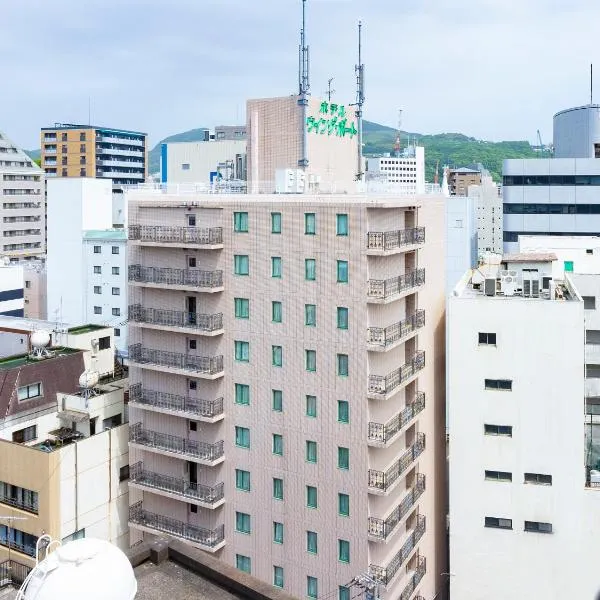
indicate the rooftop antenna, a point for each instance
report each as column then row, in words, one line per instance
column 329, row 91
column 89, row 110
column 359, row 69
column 303, row 84
column 397, row 145
column 591, row 83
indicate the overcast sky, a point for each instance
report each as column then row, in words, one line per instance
column 493, row 69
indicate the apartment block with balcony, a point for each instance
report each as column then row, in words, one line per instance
column 71, row 150
column 22, row 226
column 286, row 359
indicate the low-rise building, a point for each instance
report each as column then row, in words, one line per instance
column 405, row 171
column 459, row 180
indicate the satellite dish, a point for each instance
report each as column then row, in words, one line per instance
column 40, row 338
column 88, row 379
column 87, row 568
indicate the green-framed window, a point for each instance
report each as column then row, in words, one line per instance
column 311, row 406
column 277, row 576
column 311, row 451
column 277, row 356
column 343, row 458
column 275, row 222
column 310, row 269
column 343, row 593
column 312, row 587
column 342, row 271
column 344, row 551
column 241, row 264
column 277, row 400
column 343, row 411
column 342, row 317
column 277, row 444
column 243, row 563
column 312, row 500
column 242, row 437
column 242, row 480
column 240, row 222
column 242, row 308
column 277, row 532
column 310, row 360
column 310, row 223
column 242, row 393
column 312, row 542
column 276, row 311
column 343, row 505
column 242, row 351
column 242, row 522
column 276, row 267
column 342, row 365
column 341, row 224
column 310, row 315
column 277, row 488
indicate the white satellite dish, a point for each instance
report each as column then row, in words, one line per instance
column 39, row 339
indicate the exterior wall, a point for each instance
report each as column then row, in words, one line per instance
column 461, row 239
column 490, row 217
column 577, row 132
column 406, row 170
column 22, row 221
column 459, row 181
column 201, row 159
column 295, row 382
column 11, row 291
column 82, row 338
column 275, row 131
column 35, row 290
column 541, row 410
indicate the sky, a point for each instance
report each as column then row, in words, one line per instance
column 492, row 69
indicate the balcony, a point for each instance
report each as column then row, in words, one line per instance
column 381, row 482
column 108, row 139
column 208, row 539
column 385, row 338
column 102, row 150
column 203, row 495
column 381, row 434
column 592, row 354
column 28, row 501
column 201, row 452
column 49, row 151
column 383, row 386
column 209, row 238
column 380, row 529
column 12, row 573
column 415, row 579
column 121, row 174
column 391, row 242
column 382, row 291
column 204, row 367
column 386, row 574
column 592, row 387
column 193, row 280
column 176, row 320
column 209, row 411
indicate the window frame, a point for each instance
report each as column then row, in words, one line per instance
column 242, row 394
column 346, row 404
column 343, row 459
column 498, row 523
column 276, row 223
column 485, row 339
column 500, row 476
column 342, row 271
column 310, row 223
column 241, row 478
column 535, row 479
column 312, row 587
column 278, row 580
column 343, row 497
column 278, row 483
column 312, row 542
column 342, row 365
column 488, row 429
column 276, row 267
column 311, row 452
column 276, row 356
column 310, row 268
column 342, row 314
column 278, row 528
column 538, row 527
column 243, row 563
column 342, row 218
column 241, row 308
column 242, row 437
column 276, row 311
column 240, row 222
column 241, row 351
column 276, row 405
column 312, row 496
column 241, row 265
column 494, row 385
column 277, row 444
column 310, row 406
column 40, row 391
column 343, row 551
column 310, row 361
column 310, row 310
column 243, row 523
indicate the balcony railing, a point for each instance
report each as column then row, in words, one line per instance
column 209, row 236
column 419, row 573
column 195, row 406
column 383, row 289
column 379, row 432
column 170, row 276
column 380, row 528
column 28, row 549
column 383, row 480
column 384, row 384
column 30, row 505
column 390, row 240
column 176, row 485
column 172, row 443
column 175, row 318
column 210, row 365
column 385, row 336
column 13, row 573
column 192, row 533
column 386, row 574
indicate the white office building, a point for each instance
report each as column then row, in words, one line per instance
column 557, row 196
column 523, row 473
column 461, row 238
column 86, row 265
column 407, row 170
column 490, row 217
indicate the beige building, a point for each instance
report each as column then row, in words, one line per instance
column 287, row 385
column 459, row 180
column 275, row 142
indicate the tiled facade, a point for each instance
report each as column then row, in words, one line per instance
column 287, row 415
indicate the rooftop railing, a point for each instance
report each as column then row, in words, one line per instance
column 170, row 276
column 386, row 574
column 382, row 528
column 210, row 365
column 173, row 443
column 391, row 240
column 384, row 384
column 382, row 289
column 176, row 485
column 175, row 318
column 173, row 234
column 383, row 480
column 419, row 573
column 192, row 533
column 13, row 573
column 379, row 432
column 386, row 336
column 174, row 402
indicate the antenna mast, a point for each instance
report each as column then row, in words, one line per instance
column 360, row 100
column 330, row 91
column 398, row 144
column 591, row 83
column 303, row 84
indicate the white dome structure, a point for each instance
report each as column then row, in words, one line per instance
column 88, row 379
column 40, row 338
column 87, row 568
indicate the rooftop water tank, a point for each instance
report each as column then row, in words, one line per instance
column 87, row 568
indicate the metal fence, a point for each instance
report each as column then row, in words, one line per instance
column 379, row 432
column 390, row 240
column 174, row 402
column 13, row 573
column 419, row 573
column 382, row 289
column 168, row 234
column 30, row 505
column 384, row 384
column 193, row 533
column 385, row 336
column 383, row 480
column 176, row 444
column 175, row 318
column 210, row 365
column 169, row 276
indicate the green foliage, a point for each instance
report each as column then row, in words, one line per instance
column 193, row 135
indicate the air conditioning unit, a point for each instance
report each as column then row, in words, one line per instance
column 531, row 288
column 489, row 288
column 508, row 284
column 527, row 287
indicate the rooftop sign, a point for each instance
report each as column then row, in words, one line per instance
column 332, row 120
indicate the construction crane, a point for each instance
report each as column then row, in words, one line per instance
column 541, row 144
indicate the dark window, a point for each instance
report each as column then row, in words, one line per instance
column 104, row 343
column 115, row 249
column 498, row 384
column 82, row 137
column 538, row 478
column 193, row 344
column 498, row 430
column 488, row 339
column 25, row 435
column 498, row 523
column 124, row 473
column 193, row 426
column 82, row 173
column 589, row 251
column 117, row 332
column 192, row 262
column 193, row 384
column 498, row 475
column 193, row 508
column 538, row 527
column 116, row 312
column 97, row 249
column 589, row 302
column 191, row 220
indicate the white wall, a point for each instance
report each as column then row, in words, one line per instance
column 539, row 348
column 11, row 290
column 461, row 238
column 490, row 218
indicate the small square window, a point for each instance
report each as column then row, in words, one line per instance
column 277, row 356
column 97, row 249
column 276, row 312
column 185, row 166
column 193, row 508
column 341, row 224
column 115, row 249
column 242, row 522
column 343, row 410
column 97, row 289
column 124, row 473
column 275, row 222
column 97, row 269
column 97, row 310
column 589, row 302
column 342, row 365
column 310, row 315
column 310, row 223
column 240, row 222
column 310, row 359
column 311, row 406
column 116, row 291
column 193, row 425
column 243, row 563
column 342, row 271
column 115, row 270
column 277, row 400
column 191, row 260
column 116, row 312
column 487, row 339
column 242, row 351
column 342, row 317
